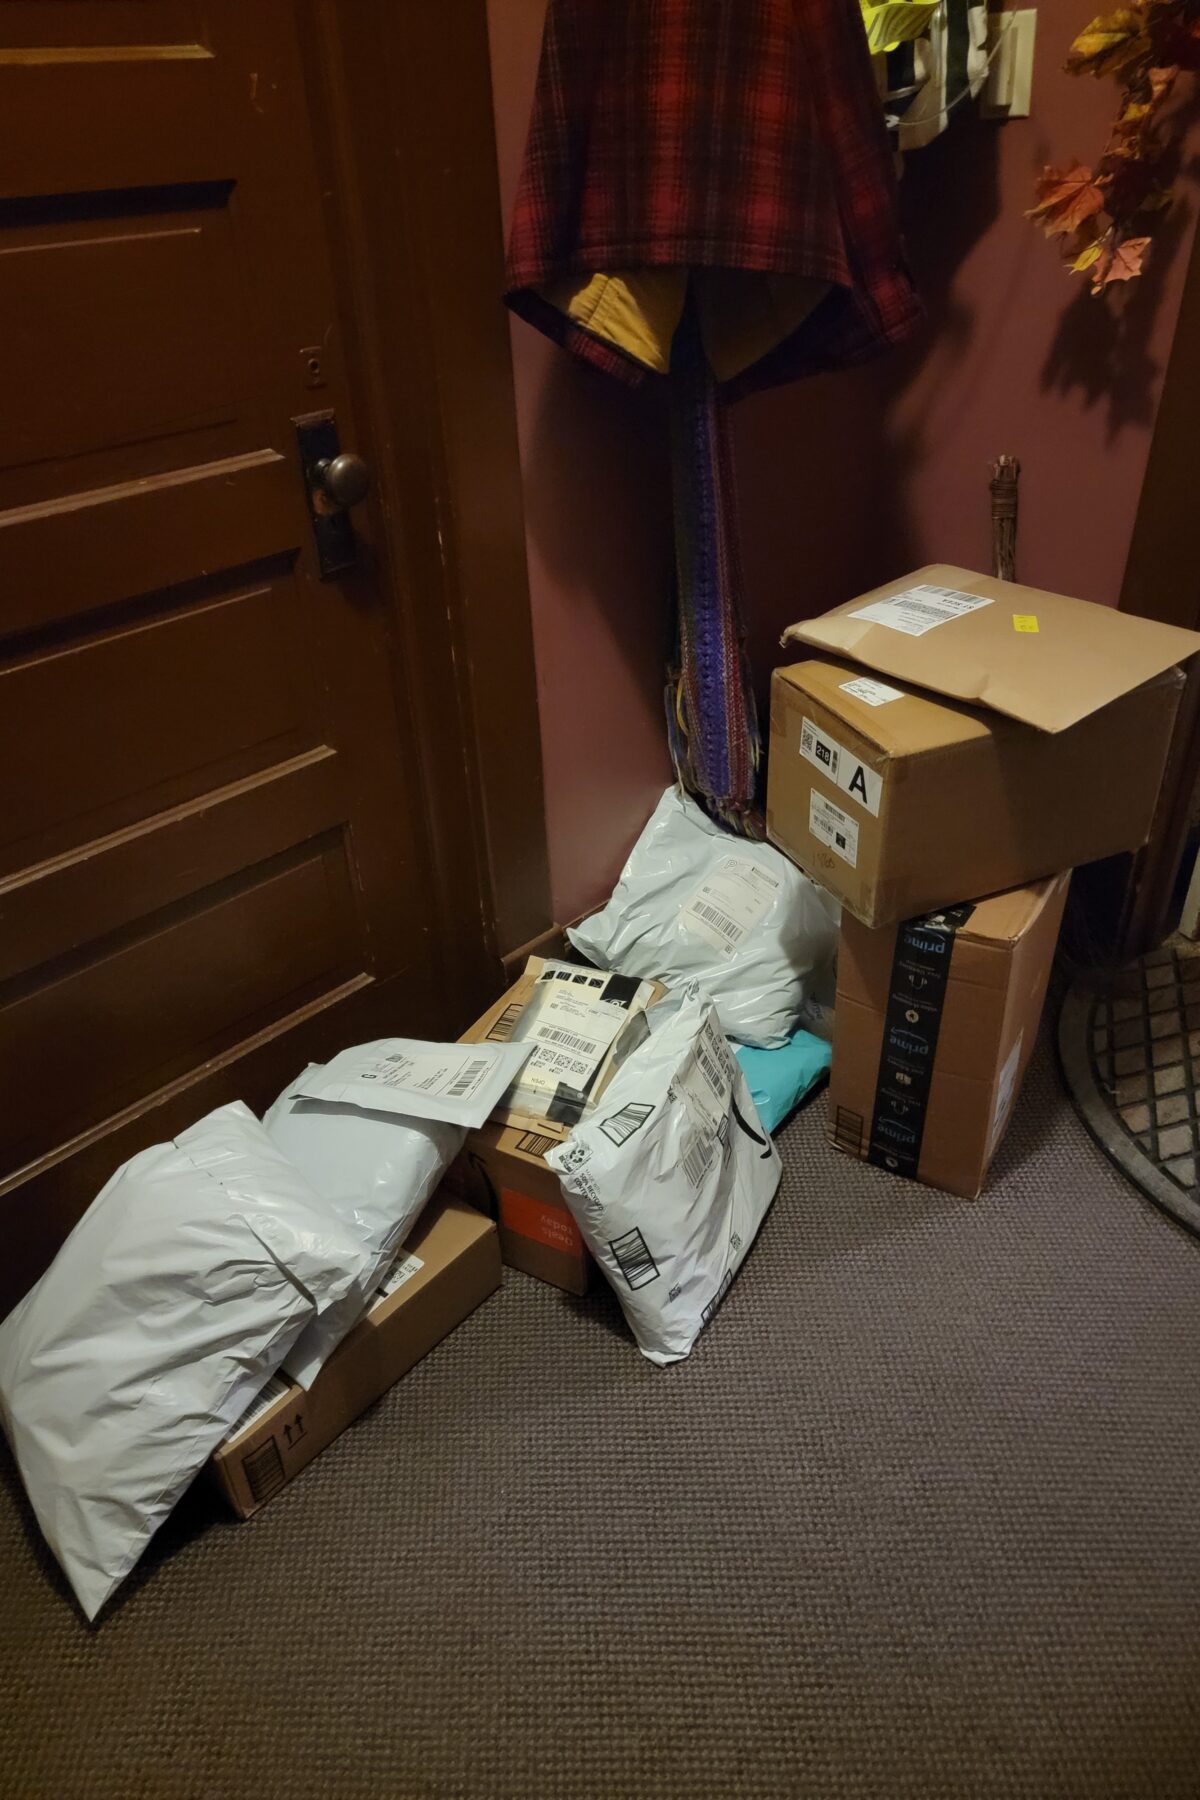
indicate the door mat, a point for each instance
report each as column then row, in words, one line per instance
column 1130, row 1053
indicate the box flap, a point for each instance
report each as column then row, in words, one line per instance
column 907, row 725
column 1042, row 658
column 1005, row 918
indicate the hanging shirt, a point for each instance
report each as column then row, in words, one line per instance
column 733, row 146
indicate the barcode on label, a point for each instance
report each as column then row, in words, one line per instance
column 467, row 1079
column 723, row 923
column 585, row 1046
column 697, row 1160
column 266, row 1397
column 503, row 1028
column 535, row 1143
column 717, row 1298
column 623, row 1124
column 634, row 1259
column 403, row 1269
column 712, row 1073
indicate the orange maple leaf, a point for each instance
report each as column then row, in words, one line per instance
column 1110, row 42
column 1121, row 264
column 1066, row 197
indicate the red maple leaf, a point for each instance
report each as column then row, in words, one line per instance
column 1066, row 197
column 1121, row 264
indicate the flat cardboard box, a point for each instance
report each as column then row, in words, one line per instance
column 1043, row 659
column 898, row 801
column 933, row 1028
column 457, row 1256
column 503, row 1168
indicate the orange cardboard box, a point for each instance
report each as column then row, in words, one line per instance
column 503, row 1167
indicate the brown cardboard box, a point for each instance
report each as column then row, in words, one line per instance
column 901, row 806
column 1041, row 658
column 1047, row 750
column 459, row 1266
column 503, row 1167
column 933, row 1028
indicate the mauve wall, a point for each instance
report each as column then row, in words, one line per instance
column 845, row 481
column 598, row 524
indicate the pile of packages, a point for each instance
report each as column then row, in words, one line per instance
column 235, row 1298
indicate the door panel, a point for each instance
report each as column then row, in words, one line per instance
column 212, row 862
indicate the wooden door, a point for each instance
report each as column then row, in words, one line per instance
column 211, row 857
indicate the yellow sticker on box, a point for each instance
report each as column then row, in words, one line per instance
column 1025, row 622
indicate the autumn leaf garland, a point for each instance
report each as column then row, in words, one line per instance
column 1105, row 215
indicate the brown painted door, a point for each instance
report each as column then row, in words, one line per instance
column 211, row 864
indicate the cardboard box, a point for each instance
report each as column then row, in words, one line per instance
column 503, row 1170
column 450, row 1264
column 503, row 1167
column 1047, row 751
column 935, row 1022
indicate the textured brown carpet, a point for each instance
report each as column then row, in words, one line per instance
column 918, row 1518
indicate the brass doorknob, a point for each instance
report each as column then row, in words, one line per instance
column 345, row 479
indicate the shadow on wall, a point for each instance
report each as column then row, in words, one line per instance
column 1101, row 349
column 854, row 478
column 600, row 546
column 826, row 467
column 598, row 507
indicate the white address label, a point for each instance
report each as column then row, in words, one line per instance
column 920, row 609
column 729, row 903
column 832, row 826
column 871, row 693
column 402, row 1270
column 841, row 765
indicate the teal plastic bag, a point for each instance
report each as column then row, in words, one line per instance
column 779, row 1079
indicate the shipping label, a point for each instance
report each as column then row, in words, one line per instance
column 729, row 903
column 920, row 609
column 831, row 826
column 872, row 693
column 402, row 1270
column 851, row 774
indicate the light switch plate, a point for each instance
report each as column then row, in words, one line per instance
column 1009, row 84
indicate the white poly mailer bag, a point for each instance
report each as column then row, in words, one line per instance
column 695, row 903
column 172, row 1301
column 375, row 1171
column 671, row 1178
column 458, row 1083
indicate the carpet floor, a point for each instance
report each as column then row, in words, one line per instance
column 918, row 1518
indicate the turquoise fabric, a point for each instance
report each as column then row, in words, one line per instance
column 779, row 1079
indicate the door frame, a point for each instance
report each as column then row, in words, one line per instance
column 401, row 98
column 1159, row 583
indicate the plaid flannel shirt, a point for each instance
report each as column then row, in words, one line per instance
column 713, row 134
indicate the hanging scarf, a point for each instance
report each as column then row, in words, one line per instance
column 712, row 724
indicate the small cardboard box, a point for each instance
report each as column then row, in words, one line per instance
column 450, row 1264
column 935, row 1022
column 1046, row 751
column 504, row 1171
column 503, row 1167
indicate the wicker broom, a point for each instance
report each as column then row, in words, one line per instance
column 1005, row 473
